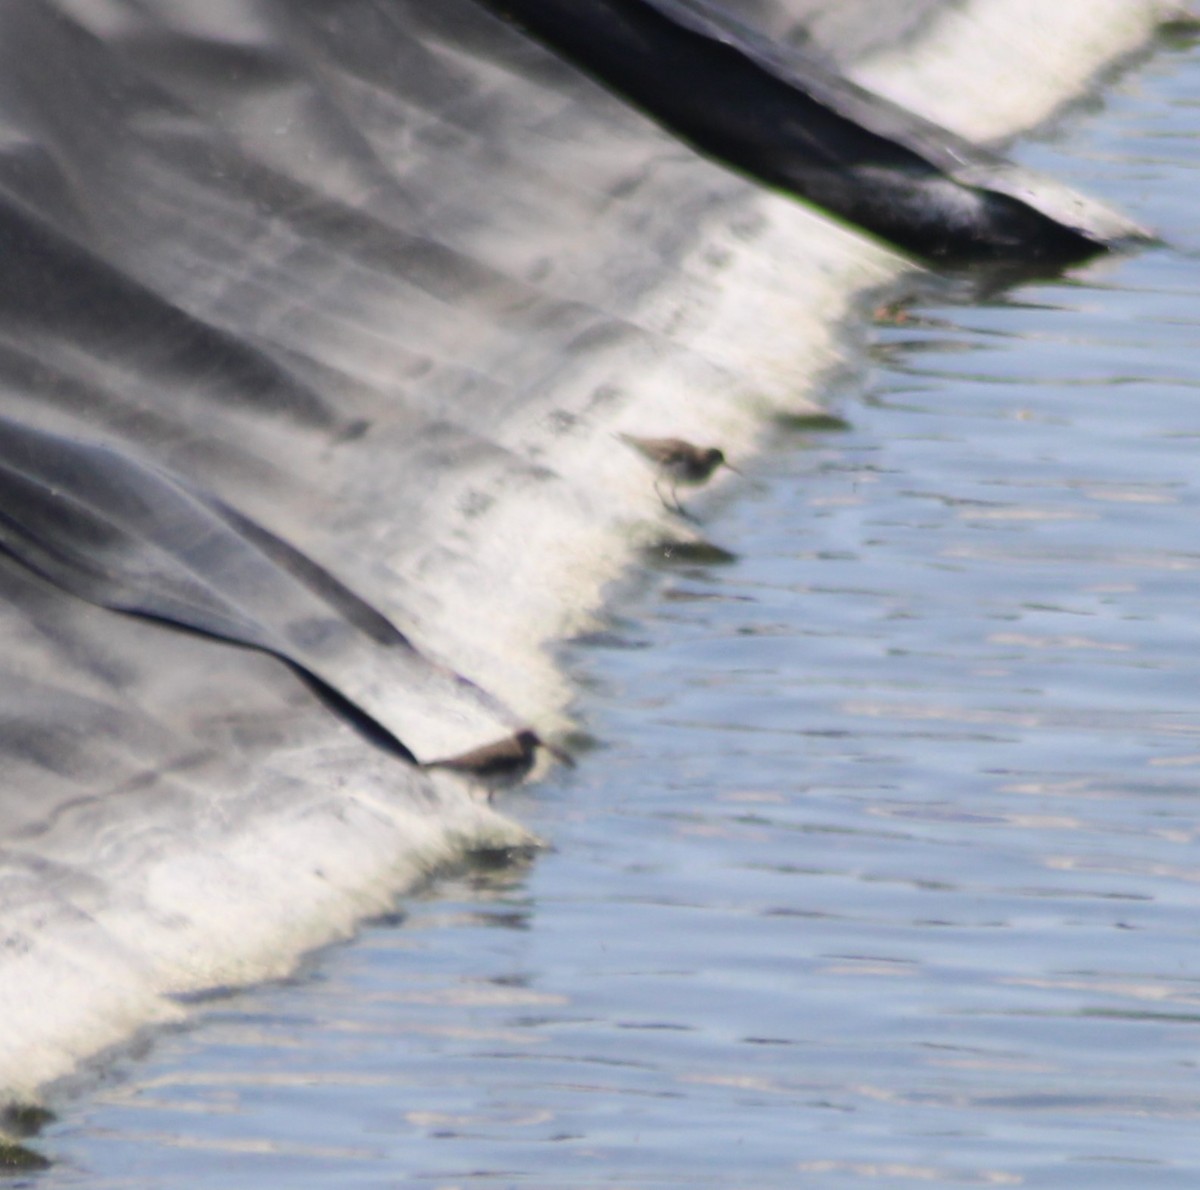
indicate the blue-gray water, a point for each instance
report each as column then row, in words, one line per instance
column 885, row 871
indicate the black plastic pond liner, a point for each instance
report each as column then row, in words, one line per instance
column 789, row 121
column 317, row 326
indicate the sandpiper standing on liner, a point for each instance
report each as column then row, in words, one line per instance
column 680, row 463
column 503, row 763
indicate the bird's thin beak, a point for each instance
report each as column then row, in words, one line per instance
column 563, row 758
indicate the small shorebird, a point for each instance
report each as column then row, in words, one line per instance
column 503, row 763
column 679, row 463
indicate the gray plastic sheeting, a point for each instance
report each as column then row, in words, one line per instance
column 319, row 324
column 790, row 119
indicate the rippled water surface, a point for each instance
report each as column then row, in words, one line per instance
column 886, row 868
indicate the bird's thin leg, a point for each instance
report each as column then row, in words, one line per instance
column 673, row 504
